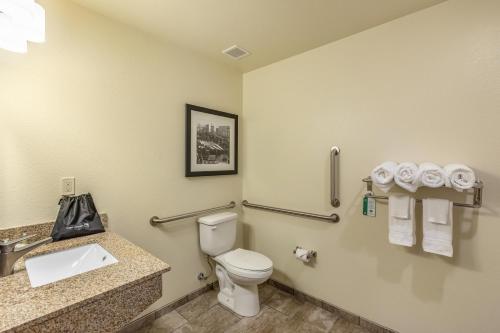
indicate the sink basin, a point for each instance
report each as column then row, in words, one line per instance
column 48, row 268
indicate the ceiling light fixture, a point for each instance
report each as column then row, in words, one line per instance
column 21, row 21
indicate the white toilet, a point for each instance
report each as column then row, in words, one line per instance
column 239, row 271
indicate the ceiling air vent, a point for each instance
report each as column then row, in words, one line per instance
column 236, row 52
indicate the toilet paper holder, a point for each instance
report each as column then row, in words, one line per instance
column 310, row 253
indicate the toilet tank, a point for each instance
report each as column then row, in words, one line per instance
column 217, row 233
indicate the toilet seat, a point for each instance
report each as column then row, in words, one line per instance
column 245, row 263
column 248, row 260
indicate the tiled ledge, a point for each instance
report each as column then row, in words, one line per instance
column 358, row 320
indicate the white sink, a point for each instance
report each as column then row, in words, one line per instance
column 60, row 265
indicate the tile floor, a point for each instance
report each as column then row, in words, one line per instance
column 280, row 313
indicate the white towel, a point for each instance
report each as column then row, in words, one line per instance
column 406, row 176
column 383, row 175
column 461, row 176
column 438, row 226
column 402, row 220
column 432, row 175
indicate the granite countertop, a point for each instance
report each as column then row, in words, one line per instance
column 22, row 306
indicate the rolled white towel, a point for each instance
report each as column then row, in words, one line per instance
column 406, row 176
column 432, row 175
column 383, row 175
column 461, row 176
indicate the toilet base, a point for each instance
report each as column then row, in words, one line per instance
column 242, row 299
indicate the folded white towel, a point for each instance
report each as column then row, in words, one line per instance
column 399, row 206
column 383, row 175
column 461, row 176
column 436, row 210
column 402, row 220
column 432, row 175
column 406, row 176
column 438, row 226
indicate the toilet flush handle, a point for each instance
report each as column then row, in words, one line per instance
column 213, row 228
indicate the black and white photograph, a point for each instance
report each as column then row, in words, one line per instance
column 211, row 142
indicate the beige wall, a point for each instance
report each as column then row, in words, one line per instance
column 105, row 103
column 424, row 87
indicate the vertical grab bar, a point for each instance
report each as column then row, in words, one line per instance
column 334, row 176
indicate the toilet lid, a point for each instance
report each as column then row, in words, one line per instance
column 249, row 260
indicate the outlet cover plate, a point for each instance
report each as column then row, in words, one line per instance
column 68, row 186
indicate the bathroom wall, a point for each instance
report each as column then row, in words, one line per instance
column 423, row 87
column 105, row 103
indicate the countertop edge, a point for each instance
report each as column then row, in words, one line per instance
column 84, row 302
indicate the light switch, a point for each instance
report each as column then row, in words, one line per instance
column 68, row 186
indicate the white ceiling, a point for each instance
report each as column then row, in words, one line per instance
column 270, row 29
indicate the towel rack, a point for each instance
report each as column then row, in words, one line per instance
column 477, row 200
column 155, row 220
column 334, row 218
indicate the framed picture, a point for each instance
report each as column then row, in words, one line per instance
column 211, row 142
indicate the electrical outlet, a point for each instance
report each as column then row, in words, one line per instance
column 68, row 186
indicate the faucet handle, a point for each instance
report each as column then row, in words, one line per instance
column 8, row 245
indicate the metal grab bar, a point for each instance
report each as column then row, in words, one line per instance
column 334, row 176
column 156, row 220
column 334, row 218
column 477, row 200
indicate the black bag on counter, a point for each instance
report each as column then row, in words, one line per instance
column 77, row 217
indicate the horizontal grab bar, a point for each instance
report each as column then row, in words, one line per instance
column 156, row 220
column 334, row 218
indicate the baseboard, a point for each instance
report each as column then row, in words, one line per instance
column 363, row 322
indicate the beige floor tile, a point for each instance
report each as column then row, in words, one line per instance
column 359, row 329
column 198, row 306
column 187, row 328
column 169, row 322
column 284, row 303
column 165, row 324
column 265, row 292
column 268, row 320
column 341, row 326
column 344, row 326
column 297, row 326
column 280, row 313
column 317, row 317
column 308, row 318
column 215, row 320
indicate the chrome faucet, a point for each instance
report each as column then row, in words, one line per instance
column 9, row 253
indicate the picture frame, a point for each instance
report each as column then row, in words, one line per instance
column 211, row 142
